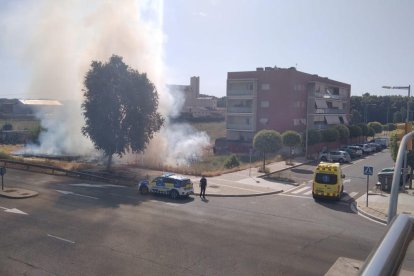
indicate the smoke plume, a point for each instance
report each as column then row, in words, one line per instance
column 57, row 40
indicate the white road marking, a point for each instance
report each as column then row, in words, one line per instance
column 308, row 192
column 59, row 238
column 13, row 210
column 347, row 181
column 301, row 190
column 353, row 194
column 307, row 197
column 72, row 193
column 96, row 185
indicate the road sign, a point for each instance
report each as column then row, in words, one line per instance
column 368, row 170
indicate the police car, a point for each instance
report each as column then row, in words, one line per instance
column 169, row 184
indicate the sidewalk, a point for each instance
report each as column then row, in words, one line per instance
column 248, row 182
column 378, row 205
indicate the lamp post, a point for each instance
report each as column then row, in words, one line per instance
column 406, row 121
column 408, row 100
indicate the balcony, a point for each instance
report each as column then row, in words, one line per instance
column 244, row 93
column 330, row 111
column 329, row 96
column 235, row 109
column 235, row 126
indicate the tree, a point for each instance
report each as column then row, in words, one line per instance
column 376, row 126
column 343, row 131
column 355, row 131
column 314, row 136
column 364, row 128
column 291, row 139
column 120, row 108
column 330, row 135
column 371, row 132
column 267, row 141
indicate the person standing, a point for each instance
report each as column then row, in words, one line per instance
column 203, row 186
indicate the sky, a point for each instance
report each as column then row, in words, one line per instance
column 367, row 43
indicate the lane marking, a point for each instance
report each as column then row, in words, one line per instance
column 96, row 185
column 13, row 210
column 353, row 194
column 59, row 238
column 72, row 193
column 308, row 192
column 301, row 190
column 298, row 196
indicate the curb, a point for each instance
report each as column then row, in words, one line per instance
column 377, row 219
column 17, row 193
column 243, row 195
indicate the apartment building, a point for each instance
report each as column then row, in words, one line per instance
column 283, row 99
column 196, row 105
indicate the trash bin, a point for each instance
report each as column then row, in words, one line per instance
column 385, row 178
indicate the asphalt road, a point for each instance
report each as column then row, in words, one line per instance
column 82, row 228
column 355, row 182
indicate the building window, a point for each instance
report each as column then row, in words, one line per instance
column 264, row 104
column 264, row 121
column 265, row 86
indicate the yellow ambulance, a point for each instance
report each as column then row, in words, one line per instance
column 327, row 181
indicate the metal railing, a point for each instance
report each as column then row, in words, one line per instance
column 52, row 170
column 388, row 256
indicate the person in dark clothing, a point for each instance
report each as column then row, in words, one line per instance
column 203, row 186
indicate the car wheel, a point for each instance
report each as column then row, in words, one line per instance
column 144, row 190
column 341, row 160
column 174, row 194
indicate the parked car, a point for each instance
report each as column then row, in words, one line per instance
column 379, row 146
column 335, row 156
column 353, row 151
column 169, row 184
column 366, row 148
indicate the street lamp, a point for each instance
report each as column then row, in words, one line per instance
column 408, row 101
column 406, row 121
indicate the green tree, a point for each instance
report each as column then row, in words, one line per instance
column 343, row 131
column 120, row 108
column 371, row 132
column 291, row 139
column 391, row 127
column 397, row 117
column 267, row 141
column 355, row 131
column 364, row 128
column 330, row 135
column 376, row 126
column 314, row 137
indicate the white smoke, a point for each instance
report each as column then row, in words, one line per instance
column 59, row 39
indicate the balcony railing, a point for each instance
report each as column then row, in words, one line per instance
column 234, row 109
column 240, row 93
column 329, row 96
column 239, row 126
column 330, row 111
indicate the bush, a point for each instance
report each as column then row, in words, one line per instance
column 232, row 162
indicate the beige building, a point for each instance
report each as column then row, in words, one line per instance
column 196, row 105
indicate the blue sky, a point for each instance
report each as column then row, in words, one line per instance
column 364, row 43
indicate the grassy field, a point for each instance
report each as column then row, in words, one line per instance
column 213, row 129
column 209, row 164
